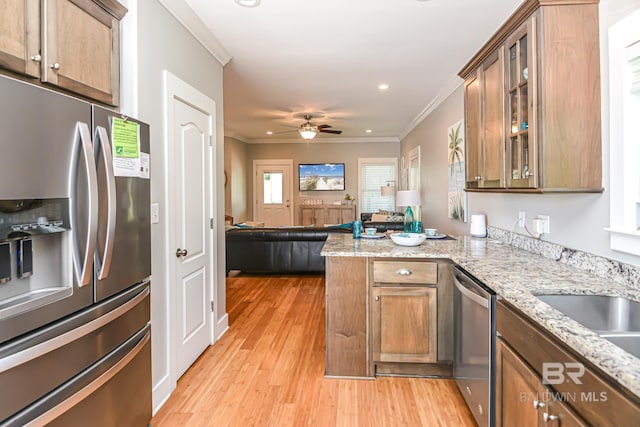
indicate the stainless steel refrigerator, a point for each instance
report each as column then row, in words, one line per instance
column 74, row 262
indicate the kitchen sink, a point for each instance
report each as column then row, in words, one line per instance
column 628, row 341
column 601, row 313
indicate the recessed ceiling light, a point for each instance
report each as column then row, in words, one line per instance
column 248, row 3
column 269, row 132
column 383, row 86
column 368, row 131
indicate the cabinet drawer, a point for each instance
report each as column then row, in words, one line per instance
column 412, row 272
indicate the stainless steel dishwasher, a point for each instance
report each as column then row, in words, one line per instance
column 474, row 345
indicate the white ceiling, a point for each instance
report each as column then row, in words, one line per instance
column 327, row 58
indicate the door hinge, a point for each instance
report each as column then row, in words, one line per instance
column 212, row 305
column 210, row 140
column 211, row 223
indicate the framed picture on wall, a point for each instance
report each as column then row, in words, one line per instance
column 457, row 197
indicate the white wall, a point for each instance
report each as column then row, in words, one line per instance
column 236, row 165
column 164, row 44
column 577, row 220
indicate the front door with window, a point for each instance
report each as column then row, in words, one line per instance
column 272, row 192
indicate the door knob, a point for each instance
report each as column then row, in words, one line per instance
column 181, row 253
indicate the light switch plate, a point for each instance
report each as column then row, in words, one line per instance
column 155, row 213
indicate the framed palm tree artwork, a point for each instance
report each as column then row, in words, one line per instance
column 457, row 198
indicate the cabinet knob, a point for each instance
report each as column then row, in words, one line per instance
column 378, row 298
column 478, row 177
column 537, row 404
column 528, row 174
column 55, row 66
column 549, row 418
column 36, row 58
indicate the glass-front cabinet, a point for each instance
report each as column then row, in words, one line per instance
column 521, row 76
column 532, row 102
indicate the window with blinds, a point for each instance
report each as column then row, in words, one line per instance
column 373, row 174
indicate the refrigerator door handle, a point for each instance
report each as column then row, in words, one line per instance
column 9, row 362
column 83, row 262
column 102, row 138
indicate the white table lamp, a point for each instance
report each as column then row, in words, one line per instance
column 408, row 198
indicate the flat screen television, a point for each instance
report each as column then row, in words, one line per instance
column 321, row 176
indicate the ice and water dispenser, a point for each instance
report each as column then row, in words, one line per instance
column 33, row 248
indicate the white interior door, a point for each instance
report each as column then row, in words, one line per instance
column 272, row 190
column 192, row 168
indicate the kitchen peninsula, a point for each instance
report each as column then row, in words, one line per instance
column 514, row 274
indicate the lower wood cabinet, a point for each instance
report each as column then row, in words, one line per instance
column 524, row 399
column 404, row 324
column 346, row 292
column 389, row 316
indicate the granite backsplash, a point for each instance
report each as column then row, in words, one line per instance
column 605, row 268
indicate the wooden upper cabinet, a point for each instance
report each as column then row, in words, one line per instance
column 82, row 49
column 20, row 36
column 72, row 44
column 472, row 119
column 484, row 105
column 492, row 137
column 521, row 78
column 548, row 94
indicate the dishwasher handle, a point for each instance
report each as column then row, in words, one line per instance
column 470, row 294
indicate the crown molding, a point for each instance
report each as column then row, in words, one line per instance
column 449, row 87
column 385, row 139
column 194, row 25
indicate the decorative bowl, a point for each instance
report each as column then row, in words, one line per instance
column 407, row 239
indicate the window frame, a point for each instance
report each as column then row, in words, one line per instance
column 373, row 161
column 624, row 136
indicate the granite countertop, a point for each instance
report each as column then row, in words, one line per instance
column 517, row 276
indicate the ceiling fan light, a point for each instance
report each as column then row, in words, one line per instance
column 307, row 133
column 248, row 3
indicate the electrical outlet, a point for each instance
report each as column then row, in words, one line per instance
column 521, row 219
column 546, row 220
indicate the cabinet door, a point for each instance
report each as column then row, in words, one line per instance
column 517, row 398
column 320, row 216
column 334, row 215
column 20, row 36
column 521, row 74
column 473, row 139
column 405, row 325
column 492, row 92
column 348, row 214
column 306, row 215
column 557, row 414
column 82, row 49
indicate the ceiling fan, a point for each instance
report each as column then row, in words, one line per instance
column 309, row 130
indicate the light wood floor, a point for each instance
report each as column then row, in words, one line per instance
column 267, row 370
